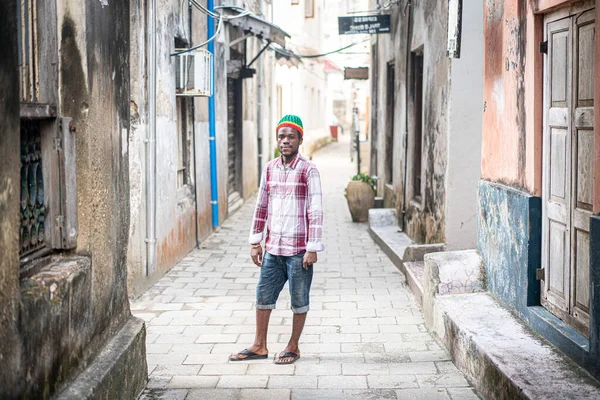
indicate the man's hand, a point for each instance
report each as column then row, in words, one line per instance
column 310, row 257
column 257, row 254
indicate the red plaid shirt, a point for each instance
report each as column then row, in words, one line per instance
column 290, row 204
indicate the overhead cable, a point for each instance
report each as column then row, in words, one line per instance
column 243, row 13
column 294, row 55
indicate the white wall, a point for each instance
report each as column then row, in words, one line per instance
column 464, row 136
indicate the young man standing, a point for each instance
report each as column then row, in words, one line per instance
column 290, row 204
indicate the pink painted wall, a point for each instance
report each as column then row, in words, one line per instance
column 512, row 118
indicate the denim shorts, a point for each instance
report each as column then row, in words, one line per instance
column 274, row 272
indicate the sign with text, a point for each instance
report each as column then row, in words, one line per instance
column 356, row 73
column 364, row 24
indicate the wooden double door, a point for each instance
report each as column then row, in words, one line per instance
column 568, row 164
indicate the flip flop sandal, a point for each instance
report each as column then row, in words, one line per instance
column 289, row 354
column 250, row 355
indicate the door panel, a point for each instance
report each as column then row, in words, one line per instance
column 558, row 165
column 559, row 63
column 568, row 166
column 557, row 177
column 558, row 278
column 583, row 144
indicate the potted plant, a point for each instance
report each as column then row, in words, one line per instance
column 360, row 194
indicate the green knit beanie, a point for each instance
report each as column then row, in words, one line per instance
column 291, row 121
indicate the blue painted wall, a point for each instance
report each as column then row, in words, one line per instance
column 509, row 239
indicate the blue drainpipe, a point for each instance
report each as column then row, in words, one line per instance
column 214, row 187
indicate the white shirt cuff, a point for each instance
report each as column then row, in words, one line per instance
column 255, row 238
column 315, row 247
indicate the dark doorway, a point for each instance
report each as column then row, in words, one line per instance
column 417, row 119
column 389, row 134
column 234, row 140
column 374, row 83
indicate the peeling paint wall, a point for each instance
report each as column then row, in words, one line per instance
column 180, row 211
column 11, row 379
column 175, row 206
column 444, row 210
column 512, row 129
column 392, row 49
column 62, row 313
column 426, row 219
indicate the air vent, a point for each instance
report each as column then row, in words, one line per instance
column 193, row 73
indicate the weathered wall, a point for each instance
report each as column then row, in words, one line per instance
column 179, row 209
column 11, row 378
column 175, row 206
column 509, row 236
column 509, row 194
column 464, row 132
column 58, row 317
column 392, row 49
column 426, row 219
column 512, row 123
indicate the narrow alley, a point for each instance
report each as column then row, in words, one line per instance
column 364, row 337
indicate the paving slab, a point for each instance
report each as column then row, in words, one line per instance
column 364, row 336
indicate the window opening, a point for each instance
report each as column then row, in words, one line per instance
column 33, row 211
column 182, row 141
column 309, row 8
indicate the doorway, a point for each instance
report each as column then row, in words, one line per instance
column 568, row 164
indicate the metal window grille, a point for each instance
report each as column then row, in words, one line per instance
column 33, row 209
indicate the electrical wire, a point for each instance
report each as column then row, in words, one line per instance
column 204, row 9
column 220, row 17
column 204, row 43
column 285, row 53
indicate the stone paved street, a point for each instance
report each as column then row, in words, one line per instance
column 364, row 336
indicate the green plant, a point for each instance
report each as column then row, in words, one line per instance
column 277, row 152
column 371, row 180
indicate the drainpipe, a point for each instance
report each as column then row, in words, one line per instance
column 214, row 188
column 151, row 144
column 259, row 116
column 406, row 74
column 194, row 137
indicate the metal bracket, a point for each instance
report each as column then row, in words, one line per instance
column 57, row 143
column 240, row 39
column 259, row 53
column 544, row 47
column 539, row 274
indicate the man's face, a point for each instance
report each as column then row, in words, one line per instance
column 288, row 141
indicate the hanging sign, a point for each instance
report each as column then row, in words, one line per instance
column 364, row 24
column 356, row 73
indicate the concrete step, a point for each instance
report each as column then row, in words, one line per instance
column 414, row 278
column 502, row 358
column 115, row 373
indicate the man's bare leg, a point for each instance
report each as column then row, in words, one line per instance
column 297, row 327
column 260, row 338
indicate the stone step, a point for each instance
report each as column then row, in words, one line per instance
column 503, row 358
column 113, row 373
column 414, row 277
